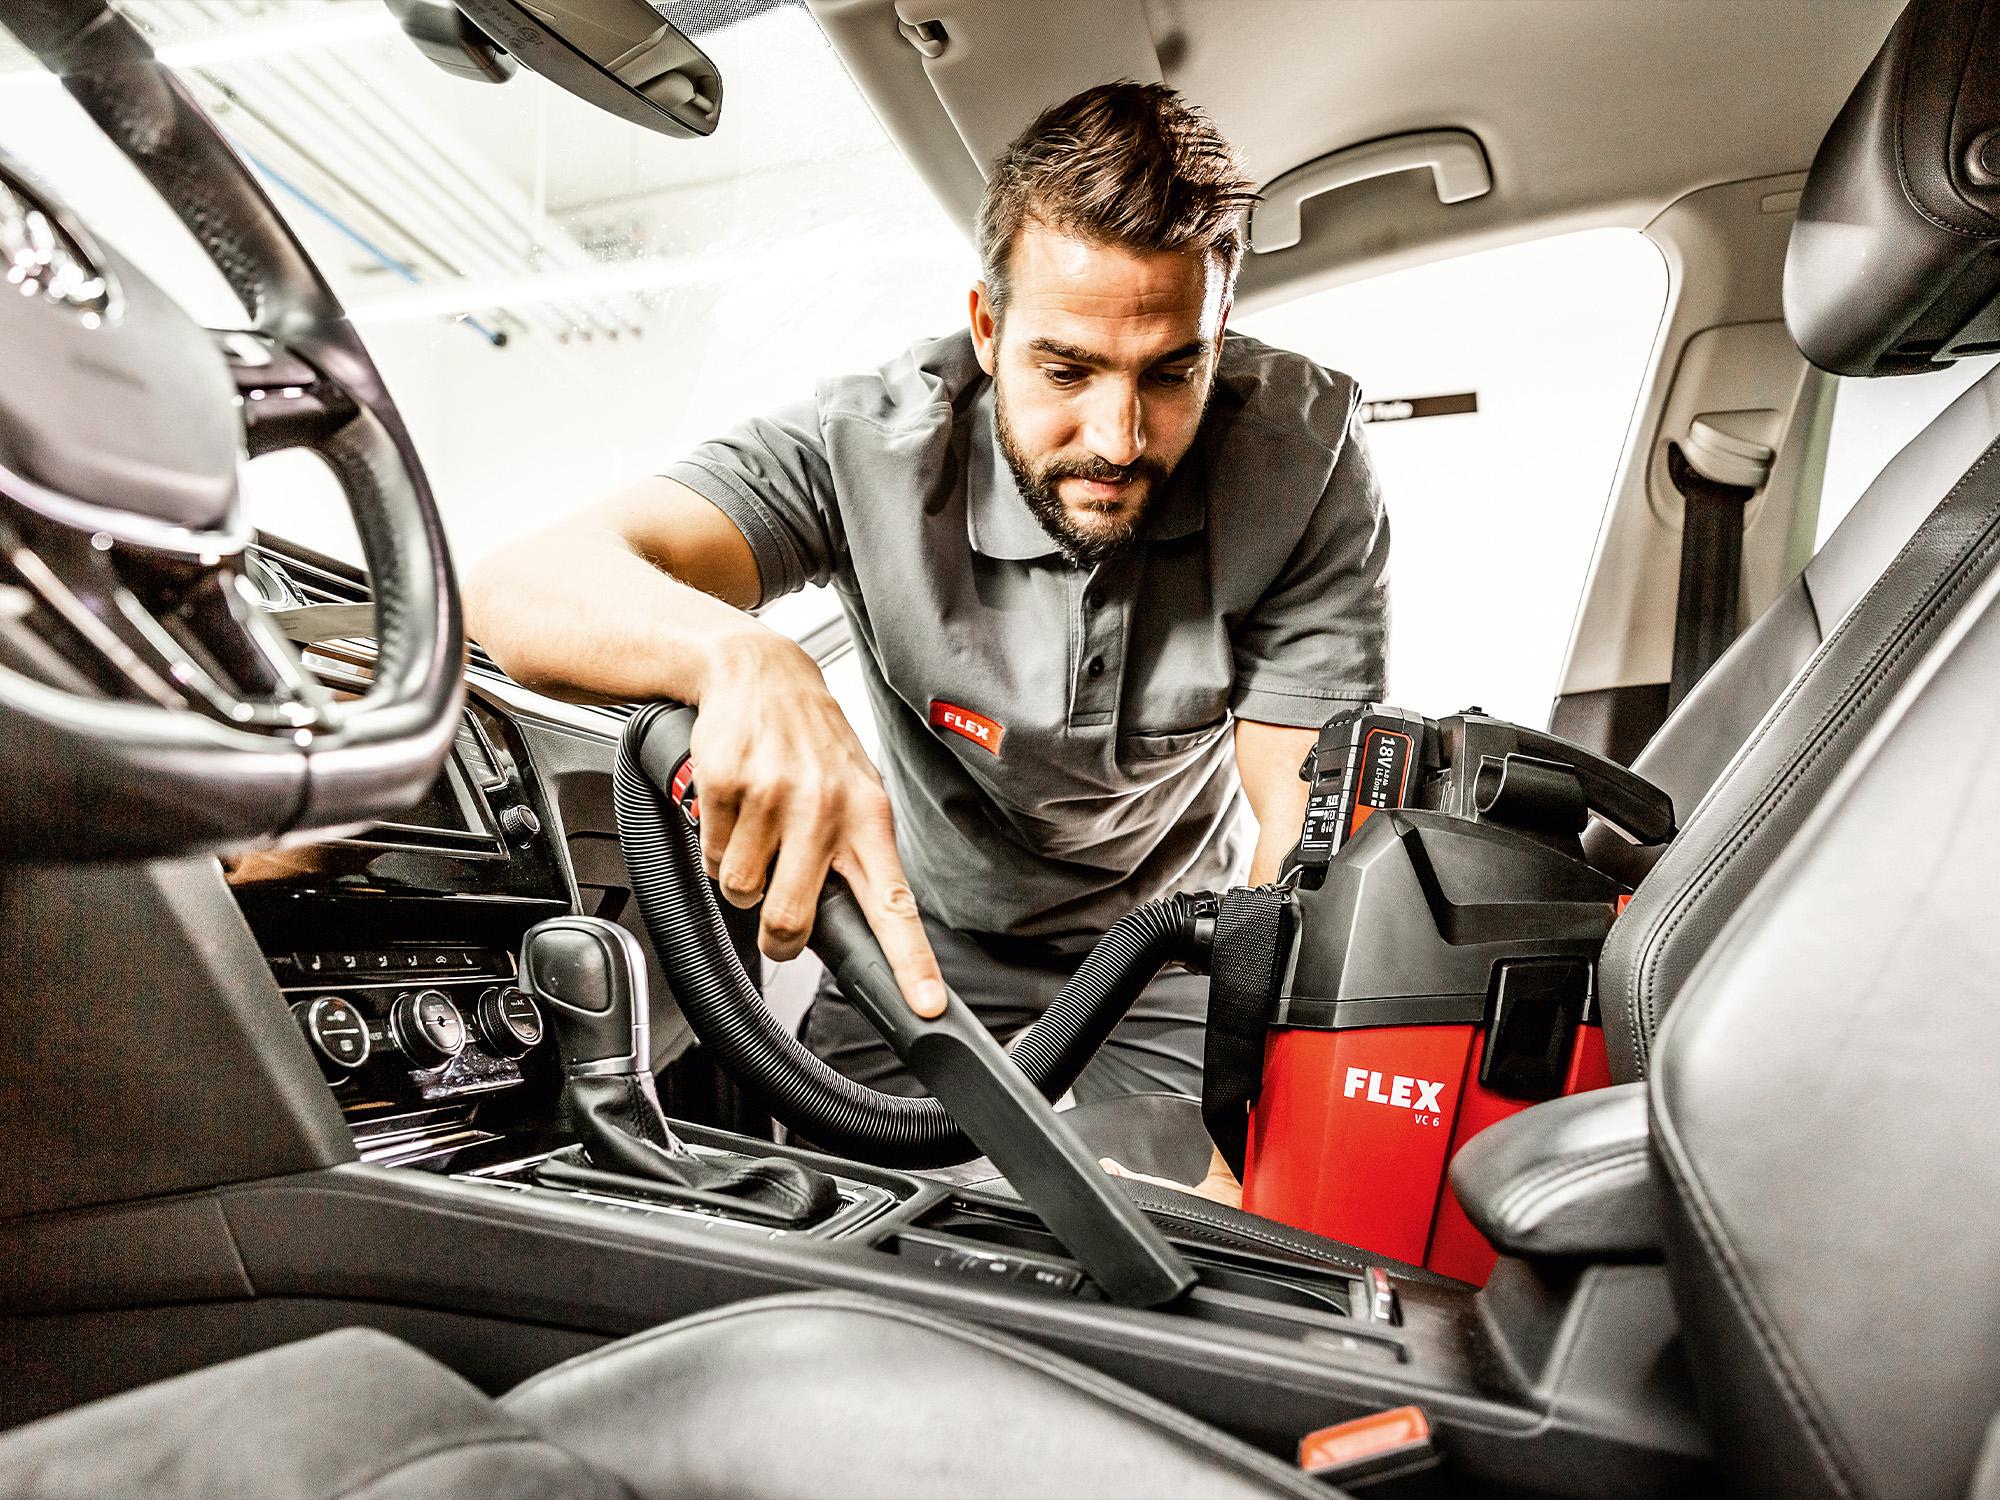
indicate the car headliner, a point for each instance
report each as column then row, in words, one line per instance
column 1590, row 111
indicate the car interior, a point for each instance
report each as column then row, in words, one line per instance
column 391, row 1109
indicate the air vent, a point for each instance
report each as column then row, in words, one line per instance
column 478, row 756
column 273, row 584
column 317, row 585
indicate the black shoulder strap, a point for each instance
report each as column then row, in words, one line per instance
column 1711, row 571
column 1252, row 942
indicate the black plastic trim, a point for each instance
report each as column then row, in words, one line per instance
column 1399, row 1010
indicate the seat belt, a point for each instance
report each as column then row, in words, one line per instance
column 1711, row 571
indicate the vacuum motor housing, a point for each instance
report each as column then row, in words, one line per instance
column 1444, row 936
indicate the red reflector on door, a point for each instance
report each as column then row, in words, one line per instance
column 1401, row 1431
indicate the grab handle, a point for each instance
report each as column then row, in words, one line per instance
column 1456, row 159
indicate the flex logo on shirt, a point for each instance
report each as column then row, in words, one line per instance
column 1419, row 1094
column 984, row 732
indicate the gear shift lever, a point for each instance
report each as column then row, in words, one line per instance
column 590, row 978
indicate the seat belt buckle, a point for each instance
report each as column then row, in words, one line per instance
column 1376, row 1450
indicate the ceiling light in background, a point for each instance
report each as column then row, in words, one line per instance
column 359, row 23
column 820, row 253
column 293, row 36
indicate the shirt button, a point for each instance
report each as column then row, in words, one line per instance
column 1096, row 598
column 1095, row 666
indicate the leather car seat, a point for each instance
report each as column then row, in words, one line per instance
column 810, row 1395
column 1891, row 270
column 1821, row 1106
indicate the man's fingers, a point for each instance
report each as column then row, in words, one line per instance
column 891, row 908
column 746, row 860
column 792, row 899
column 718, row 822
column 1203, row 1189
column 892, row 912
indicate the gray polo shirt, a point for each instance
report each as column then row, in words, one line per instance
column 1055, row 740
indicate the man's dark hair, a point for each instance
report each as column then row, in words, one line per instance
column 1125, row 164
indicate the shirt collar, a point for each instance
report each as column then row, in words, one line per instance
column 999, row 524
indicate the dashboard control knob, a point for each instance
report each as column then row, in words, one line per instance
column 520, row 822
column 427, row 1028
column 337, row 1032
column 509, row 1020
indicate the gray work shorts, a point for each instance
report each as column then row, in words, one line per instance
column 1008, row 983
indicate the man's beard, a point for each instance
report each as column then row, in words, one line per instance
column 1086, row 548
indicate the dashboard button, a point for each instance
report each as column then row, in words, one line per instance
column 1383, row 1304
column 337, row 1032
column 1059, row 1279
column 427, row 1028
column 509, row 1021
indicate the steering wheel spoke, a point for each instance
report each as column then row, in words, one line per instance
column 95, row 615
column 284, row 400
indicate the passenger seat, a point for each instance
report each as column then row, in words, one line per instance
column 798, row 1397
column 1891, row 270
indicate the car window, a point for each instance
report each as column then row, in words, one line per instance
column 1872, row 421
column 1493, row 513
column 560, row 302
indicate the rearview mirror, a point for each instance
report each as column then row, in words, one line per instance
column 620, row 55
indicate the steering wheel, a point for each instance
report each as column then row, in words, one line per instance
column 148, row 704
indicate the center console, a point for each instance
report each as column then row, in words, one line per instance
column 395, row 951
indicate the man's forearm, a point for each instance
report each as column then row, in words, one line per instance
column 1273, row 844
column 1267, row 757
column 578, row 614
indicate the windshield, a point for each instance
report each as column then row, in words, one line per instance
column 559, row 302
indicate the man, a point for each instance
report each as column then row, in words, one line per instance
column 1087, row 548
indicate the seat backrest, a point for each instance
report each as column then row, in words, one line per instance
column 1821, row 1106
column 1866, row 609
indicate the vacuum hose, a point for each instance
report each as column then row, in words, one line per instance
column 663, row 852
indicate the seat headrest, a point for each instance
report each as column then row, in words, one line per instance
column 1894, row 264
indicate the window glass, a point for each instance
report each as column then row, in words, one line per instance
column 1872, row 421
column 560, row 302
column 1493, row 514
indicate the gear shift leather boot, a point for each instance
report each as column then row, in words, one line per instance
column 591, row 980
column 624, row 1131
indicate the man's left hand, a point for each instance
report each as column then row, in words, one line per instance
column 1219, row 1186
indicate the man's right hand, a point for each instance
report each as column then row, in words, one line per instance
column 787, row 793
column 645, row 595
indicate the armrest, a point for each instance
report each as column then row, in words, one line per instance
column 1570, row 1177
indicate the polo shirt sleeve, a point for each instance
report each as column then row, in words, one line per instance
column 772, row 478
column 1318, row 638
